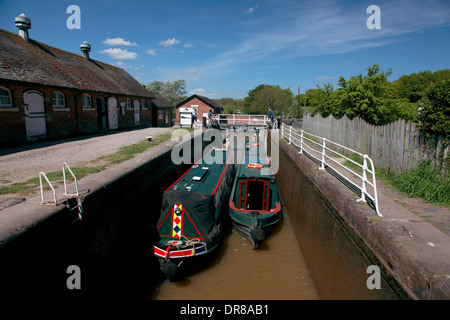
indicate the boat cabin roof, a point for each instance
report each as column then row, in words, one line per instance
column 256, row 157
column 204, row 176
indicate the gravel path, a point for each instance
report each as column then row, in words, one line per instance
column 21, row 164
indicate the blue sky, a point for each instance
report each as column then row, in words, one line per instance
column 226, row 48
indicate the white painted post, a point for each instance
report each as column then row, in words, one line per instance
column 301, row 142
column 290, row 135
column 42, row 174
column 364, row 178
column 322, row 166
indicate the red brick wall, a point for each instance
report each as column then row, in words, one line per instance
column 61, row 122
column 202, row 108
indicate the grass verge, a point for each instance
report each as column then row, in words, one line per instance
column 425, row 182
column 125, row 153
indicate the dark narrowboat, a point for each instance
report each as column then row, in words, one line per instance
column 191, row 219
column 255, row 207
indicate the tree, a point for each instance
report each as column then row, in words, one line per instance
column 263, row 97
column 435, row 115
column 416, row 85
column 173, row 92
column 230, row 105
column 369, row 97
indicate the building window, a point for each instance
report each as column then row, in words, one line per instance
column 86, row 101
column 144, row 105
column 58, row 100
column 5, row 97
column 160, row 115
column 128, row 104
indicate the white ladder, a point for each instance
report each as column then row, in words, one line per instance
column 42, row 174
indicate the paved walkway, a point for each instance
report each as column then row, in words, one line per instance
column 23, row 163
column 391, row 201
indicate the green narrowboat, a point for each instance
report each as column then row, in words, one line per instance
column 254, row 207
column 191, row 218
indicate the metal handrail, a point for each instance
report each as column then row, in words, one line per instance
column 248, row 119
column 298, row 140
column 42, row 189
column 64, row 165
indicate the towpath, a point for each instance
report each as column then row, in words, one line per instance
column 24, row 163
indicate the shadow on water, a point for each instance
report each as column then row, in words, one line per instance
column 276, row 271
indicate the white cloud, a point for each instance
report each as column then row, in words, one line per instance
column 119, row 42
column 203, row 92
column 187, row 45
column 120, row 54
column 300, row 30
column 152, row 52
column 250, row 10
column 124, row 65
column 169, row 42
column 199, row 91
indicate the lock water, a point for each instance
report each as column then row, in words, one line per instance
column 276, row 271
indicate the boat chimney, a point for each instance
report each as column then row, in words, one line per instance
column 85, row 48
column 23, row 23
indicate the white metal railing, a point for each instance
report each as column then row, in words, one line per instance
column 42, row 174
column 326, row 156
column 242, row 119
column 64, row 166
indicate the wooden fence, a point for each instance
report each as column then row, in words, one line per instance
column 397, row 147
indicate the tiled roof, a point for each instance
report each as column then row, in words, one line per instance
column 159, row 101
column 206, row 100
column 35, row 62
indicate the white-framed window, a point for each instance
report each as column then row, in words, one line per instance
column 86, row 101
column 58, row 100
column 5, row 97
column 144, row 104
column 128, row 103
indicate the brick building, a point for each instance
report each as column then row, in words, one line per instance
column 46, row 92
column 201, row 104
column 162, row 111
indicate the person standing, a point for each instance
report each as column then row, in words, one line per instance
column 194, row 116
column 210, row 115
column 271, row 116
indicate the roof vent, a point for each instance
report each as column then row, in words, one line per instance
column 85, row 48
column 23, row 23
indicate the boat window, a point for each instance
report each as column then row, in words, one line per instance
column 243, row 194
column 254, row 195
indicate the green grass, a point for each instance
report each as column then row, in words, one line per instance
column 125, row 153
column 425, row 182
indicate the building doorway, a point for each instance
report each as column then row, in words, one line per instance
column 34, row 115
column 101, row 114
column 113, row 116
column 137, row 112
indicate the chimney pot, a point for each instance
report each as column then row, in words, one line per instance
column 85, row 48
column 23, row 23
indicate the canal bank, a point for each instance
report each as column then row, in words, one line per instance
column 342, row 239
column 38, row 243
column 339, row 238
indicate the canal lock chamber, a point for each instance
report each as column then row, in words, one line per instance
column 110, row 243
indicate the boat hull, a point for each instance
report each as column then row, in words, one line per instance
column 255, row 226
